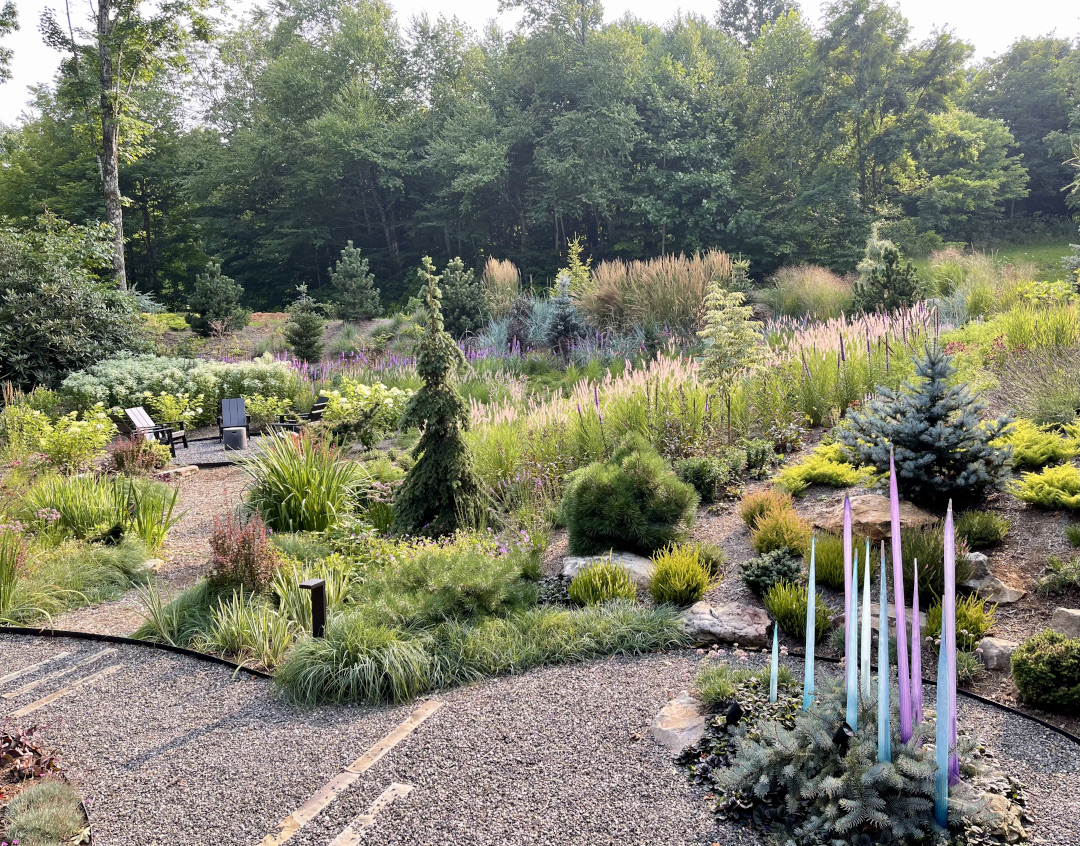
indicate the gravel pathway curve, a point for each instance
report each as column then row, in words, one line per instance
column 171, row 750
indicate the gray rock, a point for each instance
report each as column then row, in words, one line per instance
column 679, row 724
column 996, row 652
column 871, row 517
column 639, row 567
column 170, row 473
column 1066, row 621
column 992, row 589
column 998, row 816
column 875, row 614
column 728, row 622
column 980, row 565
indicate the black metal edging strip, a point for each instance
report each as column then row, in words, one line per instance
column 131, row 641
column 982, row 699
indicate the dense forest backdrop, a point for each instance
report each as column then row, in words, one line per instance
column 270, row 144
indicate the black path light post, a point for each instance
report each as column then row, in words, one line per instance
column 318, row 605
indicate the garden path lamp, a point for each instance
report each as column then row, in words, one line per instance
column 318, row 605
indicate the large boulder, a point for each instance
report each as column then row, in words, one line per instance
column 871, row 517
column 679, row 724
column 1066, row 621
column 639, row 567
column 987, row 585
column 993, row 812
column 728, row 622
column 996, row 653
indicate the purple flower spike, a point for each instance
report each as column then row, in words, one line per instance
column 901, row 608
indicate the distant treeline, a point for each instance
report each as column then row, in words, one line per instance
column 274, row 143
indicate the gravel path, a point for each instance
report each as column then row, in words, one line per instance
column 171, row 750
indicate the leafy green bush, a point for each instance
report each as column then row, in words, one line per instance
column 1046, row 670
column 981, row 529
column 760, row 503
column 826, row 465
column 600, row 582
column 943, row 447
column 829, row 561
column 1034, row 446
column 1072, row 535
column 632, row 502
column 1052, row 487
column 787, row 602
column 300, row 483
column 715, row 475
column 1062, row 576
column 761, row 573
column 781, row 530
column 927, row 545
column 974, row 619
column 48, row 813
column 679, row 576
column 75, row 440
column 362, row 413
column 215, row 301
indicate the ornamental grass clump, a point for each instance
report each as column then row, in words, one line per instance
column 1053, row 488
column 943, row 448
column 1046, row 670
column 787, row 601
column 1062, row 576
column 631, row 502
column 927, row 546
column 600, row 582
column 441, row 492
column 300, row 483
column 679, row 577
column 982, row 529
column 829, row 560
column 974, row 619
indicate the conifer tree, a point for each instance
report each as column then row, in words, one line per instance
column 941, row 444
column 888, row 284
column 733, row 336
column 464, row 308
column 441, row 491
column 216, row 299
column 304, row 331
column 355, row 294
column 565, row 323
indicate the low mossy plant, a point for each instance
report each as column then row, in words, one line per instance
column 600, row 582
column 48, row 813
column 679, row 577
column 1046, row 671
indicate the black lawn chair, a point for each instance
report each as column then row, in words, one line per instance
column 233, row 416
column 294, row 421
column 169, row 434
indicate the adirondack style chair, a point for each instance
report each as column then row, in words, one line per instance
column 233, row 416
column 294, row 421
column 169, row 434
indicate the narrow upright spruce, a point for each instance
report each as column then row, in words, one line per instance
column 916, row 649
column 948, row 640
column 901, row 608
column 884, row 738
column 774, row 667
column 811, row 634
column 866, row 626
column 851, row 652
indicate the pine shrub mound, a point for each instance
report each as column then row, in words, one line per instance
column 942, row 446
column 464, row 307
column 632, row 502
column 215, row 302
column 790, row 778
column 679, row 576
column 1046, row 670
column 442, row 491
column 600, row 582
column 355, row 294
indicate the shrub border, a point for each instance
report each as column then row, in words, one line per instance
column 131, row 641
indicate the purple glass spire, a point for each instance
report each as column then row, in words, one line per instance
column 948, row 640
column 901, row 608
column 916, row 648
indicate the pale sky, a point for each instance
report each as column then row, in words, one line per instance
column 991, row 25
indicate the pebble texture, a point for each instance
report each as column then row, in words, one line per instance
column 172, row 750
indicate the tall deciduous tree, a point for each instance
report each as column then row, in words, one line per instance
column 129, row 42
column 744, row 19
column 9, row 22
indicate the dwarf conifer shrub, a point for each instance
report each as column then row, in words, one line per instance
column 464, row 308
column 600, row 582
column 216, row 300
column 761, row 573
column 355, row 294
column 632, row 501
column 1052, row 487
column 783, row 529
column 942, row 445
column 1046, row 670
column 787, row 601
column 1034, row 446
column 826, row 465
column 565, row 324
column 757, row 504
column 982, row 529
column 305, row 328
column 679, row 576
column 441, row 491
column 888, row 285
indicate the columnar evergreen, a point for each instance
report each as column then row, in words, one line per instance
column 355, row 294
column 304, row 331
column 441, row 491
